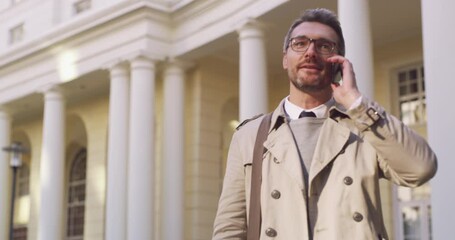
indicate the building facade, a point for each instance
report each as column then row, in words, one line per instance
column 127, row 107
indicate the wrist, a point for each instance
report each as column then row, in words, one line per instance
column 353, row 99
column 356, row 103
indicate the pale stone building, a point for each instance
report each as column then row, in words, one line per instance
column 128, row 106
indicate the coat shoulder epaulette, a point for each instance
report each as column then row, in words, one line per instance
column 248, row 120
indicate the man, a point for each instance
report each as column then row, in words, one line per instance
column 320, row 175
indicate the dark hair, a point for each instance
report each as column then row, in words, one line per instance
column 320, row 15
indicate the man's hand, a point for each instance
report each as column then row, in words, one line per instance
column 345, row 92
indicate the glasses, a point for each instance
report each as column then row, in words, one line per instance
column 302, row 43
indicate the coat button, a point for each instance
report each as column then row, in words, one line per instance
column 276, row 194
column 270, row 232
column 347, row 180
column 357, row 217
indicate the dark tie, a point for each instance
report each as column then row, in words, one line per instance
column 307, row 114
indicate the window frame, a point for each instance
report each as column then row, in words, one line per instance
column 22, row 230
column 23, row 180
column 420, row 94
column 16, row 33
column 423, row 204
column 72, row 204
column 81, row 6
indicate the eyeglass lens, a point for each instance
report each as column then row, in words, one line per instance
column 322, row 46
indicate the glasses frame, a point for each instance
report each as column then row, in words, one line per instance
column 312, row 40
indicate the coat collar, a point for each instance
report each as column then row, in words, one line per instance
column 279, row 115
column 280, row 143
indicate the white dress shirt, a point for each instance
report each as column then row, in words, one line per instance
column 293, row 111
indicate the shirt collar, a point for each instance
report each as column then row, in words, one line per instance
column 293, row 111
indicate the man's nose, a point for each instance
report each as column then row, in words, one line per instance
column 311, row 51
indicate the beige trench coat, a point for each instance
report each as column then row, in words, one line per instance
column 353, row 152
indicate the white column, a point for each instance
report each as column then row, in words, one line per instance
column 438, row 38
column 116, row 198
column 5, row 176
column 354, row 16
column 253, row 70
column 173, row 154
column 52, row 168
column 141, row 150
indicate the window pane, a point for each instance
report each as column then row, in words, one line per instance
column 402, row 77
column 23, row 180
column 413, row 74
column 413, row 88
column 415, row 212
column 413, row 111
column 81, row 6
column 409, row 111
column 421, row 112
column 403, row 90
column 76, row 197
column 411, row 223
column 411, row 94
column 77, row 193
column 16, row 34
column 78, row 170
column 76, row 221
column 20, row 233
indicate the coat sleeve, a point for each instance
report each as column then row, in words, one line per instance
column 230, row 220
column 403, row 156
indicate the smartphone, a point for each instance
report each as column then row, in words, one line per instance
column 336, row 73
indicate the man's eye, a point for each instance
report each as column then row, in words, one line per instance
column 300, row 43
column 325, row 46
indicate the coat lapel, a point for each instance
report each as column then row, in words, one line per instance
column 331, row 142
column 280, row 143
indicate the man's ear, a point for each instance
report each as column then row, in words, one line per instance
column 285, row 61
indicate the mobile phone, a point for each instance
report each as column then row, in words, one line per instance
column 336, row 73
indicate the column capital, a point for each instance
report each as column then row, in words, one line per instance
column 250, row 28
column 115, row 63
column 142, row 62
column 51, row 92
column 145, row 55
column 131, row 57
column 118, row 69
column 173, row 64
column 49, row 87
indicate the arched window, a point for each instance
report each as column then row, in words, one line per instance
column 23, row 186
column 76, row 196
column 22, row 202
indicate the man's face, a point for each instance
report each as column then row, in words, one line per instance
column 308, row 71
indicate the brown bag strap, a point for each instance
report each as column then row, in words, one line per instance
column 254, row 222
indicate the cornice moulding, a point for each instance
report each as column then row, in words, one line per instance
column 70, row 29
